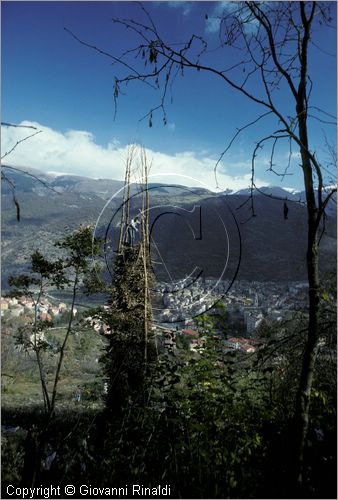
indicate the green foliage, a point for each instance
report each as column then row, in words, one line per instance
column 210, row 424
column 92, row 391
column 47, row 269
column 21, row 284
column 78, row 248
column 12, row 457
column 128, row 352
column 194, row 425
column 42, row 273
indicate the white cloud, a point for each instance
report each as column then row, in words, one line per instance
column 212, row 24
column 295, row 155
column 221, row 9
column 185, row 6
column 76, row 152
column 291, row 190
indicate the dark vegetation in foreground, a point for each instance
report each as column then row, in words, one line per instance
column 208, row 423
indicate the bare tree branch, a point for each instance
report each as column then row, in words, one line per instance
column 18, row 126
column 273, row 40
column 238, row 131
column 29, row 174
column 19, row 142
column 5, row 177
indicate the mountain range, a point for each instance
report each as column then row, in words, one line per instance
column 193, row 231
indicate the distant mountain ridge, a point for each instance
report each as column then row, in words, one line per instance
column 105, row 188
column 62, row 183
column 272, row 248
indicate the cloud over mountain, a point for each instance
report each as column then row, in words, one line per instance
column 76, row 152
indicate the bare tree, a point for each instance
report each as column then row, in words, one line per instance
column 274, row 40
column 137, row 171
column 4, row 175
column 145, row 205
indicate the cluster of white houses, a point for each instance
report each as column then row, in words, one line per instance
column 26, row 306
column 253, row 301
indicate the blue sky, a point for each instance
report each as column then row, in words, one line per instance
column 66, row 90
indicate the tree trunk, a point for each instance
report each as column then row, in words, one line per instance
column 308, row 363
column 311, row 344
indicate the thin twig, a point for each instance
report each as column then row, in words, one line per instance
column 19, row 142
column 25, row 172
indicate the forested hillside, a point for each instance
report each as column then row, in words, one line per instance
column 272, row 248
